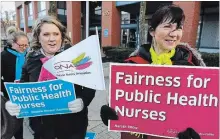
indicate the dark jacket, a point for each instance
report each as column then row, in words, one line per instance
column 65, row 124
column 184, row 55
column 8, row 65
column 10, row 124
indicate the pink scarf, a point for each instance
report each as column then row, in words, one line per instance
column 45, row 74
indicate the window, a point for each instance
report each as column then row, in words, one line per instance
column 21, row 15
column 42, row 13
column 208, row 29
column 41, row 8
column 61, row 11
column 98, row 11
column 61, row 7
column 30, row 11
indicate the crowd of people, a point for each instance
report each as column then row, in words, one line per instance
column 22, row 62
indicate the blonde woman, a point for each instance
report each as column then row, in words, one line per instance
column 12, row 60
column 49, row 38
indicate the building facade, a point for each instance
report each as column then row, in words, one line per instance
column 117, row 21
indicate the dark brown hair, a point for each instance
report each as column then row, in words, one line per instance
column 170, row 13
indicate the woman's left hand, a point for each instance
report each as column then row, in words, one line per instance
column 76, row 105
column 189, row 133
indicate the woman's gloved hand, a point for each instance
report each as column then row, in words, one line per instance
column 76, row 105
column 107, row 113
column 12, row 108
column 189, row 133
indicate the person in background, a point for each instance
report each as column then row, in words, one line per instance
column 12, row 60
column 166, row 29
column 48, row 38
column 10, row 30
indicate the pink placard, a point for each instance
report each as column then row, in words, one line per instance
column 164, row 100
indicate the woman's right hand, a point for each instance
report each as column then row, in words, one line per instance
column 12, row 108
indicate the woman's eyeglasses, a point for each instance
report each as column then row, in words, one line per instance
column 22, row 45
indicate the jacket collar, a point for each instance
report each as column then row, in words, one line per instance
column 36, row 54
column 184, row 52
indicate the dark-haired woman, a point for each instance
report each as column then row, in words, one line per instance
column 166, row 29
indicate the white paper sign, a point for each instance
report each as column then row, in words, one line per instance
column 81, row 64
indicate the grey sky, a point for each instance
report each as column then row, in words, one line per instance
column 8, row 5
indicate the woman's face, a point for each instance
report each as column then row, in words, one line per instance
column 167, row 36
column 21, row 44
column 50, row 38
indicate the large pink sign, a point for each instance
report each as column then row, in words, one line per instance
column 164, row 100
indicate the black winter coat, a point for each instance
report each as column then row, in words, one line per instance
column 9, row 124
column 8, row 65
column 61, row 125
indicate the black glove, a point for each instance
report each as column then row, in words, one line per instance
column 189, row 133
column 107, row 113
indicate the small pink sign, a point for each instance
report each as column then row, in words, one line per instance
column 164, row 100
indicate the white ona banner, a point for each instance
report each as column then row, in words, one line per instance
column 81, row 64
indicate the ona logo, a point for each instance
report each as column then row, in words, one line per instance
column 82, row 62
column 64, row 65
column 79, row 63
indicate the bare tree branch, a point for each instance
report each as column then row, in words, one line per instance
column 53, row 8
column 142, row 35
column 6, row 20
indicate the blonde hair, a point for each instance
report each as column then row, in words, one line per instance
column 35, row 44
column 11, row 30
column 13, row 35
